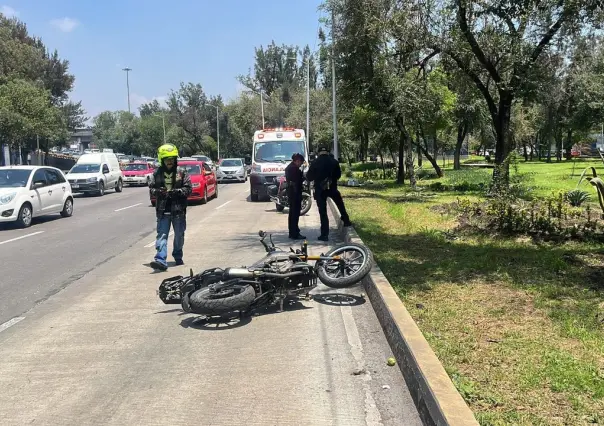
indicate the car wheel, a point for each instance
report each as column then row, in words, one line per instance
column 67, row 208
column 25, row 215
column 101, row 189
column 205, row 195
column 215, row 191
column 120, row 186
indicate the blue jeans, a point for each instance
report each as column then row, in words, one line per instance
column 179, row 225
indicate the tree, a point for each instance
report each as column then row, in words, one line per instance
column 188, row 110
column 498, row 45
column 25, row 112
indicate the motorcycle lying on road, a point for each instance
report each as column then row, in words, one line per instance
column 280, row 274
column 278, row 195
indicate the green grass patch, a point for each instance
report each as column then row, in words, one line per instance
column 518, row 325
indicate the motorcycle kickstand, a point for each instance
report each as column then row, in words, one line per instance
column 281, row 302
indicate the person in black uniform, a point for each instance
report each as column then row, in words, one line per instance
column 325, row 171
column 295, row 180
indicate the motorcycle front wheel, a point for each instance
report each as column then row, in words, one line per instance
column 306, row 203
column 221, row 298
column 279, row 207
column 355, row 263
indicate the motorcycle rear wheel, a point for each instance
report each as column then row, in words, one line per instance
column 228, row 298
column 279, row 207
column 355, row 269
column 306, row 203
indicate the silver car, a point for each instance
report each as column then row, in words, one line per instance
column 231, row 169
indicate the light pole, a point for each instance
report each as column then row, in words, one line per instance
column 163, row 122
column 333, row 82
column 128, row 84
column 262, row 107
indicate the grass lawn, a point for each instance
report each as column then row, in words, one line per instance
column 518, row 325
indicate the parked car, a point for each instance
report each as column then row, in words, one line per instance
column 31, row 191
column 203, row 180
column 138, row 173
column 231, row 169
column 205, row 159
column 95, row 173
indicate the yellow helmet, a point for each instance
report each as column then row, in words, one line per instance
column 166, row 151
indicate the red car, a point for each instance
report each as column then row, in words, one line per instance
column 203, row 180
column 137, row 173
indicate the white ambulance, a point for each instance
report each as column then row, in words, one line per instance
column 271, row 153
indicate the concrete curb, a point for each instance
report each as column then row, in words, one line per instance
column 435, row 396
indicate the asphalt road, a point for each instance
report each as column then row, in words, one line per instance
column 84, row 339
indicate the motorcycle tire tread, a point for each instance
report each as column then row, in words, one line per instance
column 351, row 280
column 203, row 306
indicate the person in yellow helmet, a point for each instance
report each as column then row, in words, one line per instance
column 171, row 186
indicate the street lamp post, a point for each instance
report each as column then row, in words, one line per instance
column 262, row 107
column 333, row 83
column 128, row 84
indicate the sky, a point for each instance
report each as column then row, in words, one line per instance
column 201, row 41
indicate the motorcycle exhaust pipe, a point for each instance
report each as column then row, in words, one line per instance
column 237, row 273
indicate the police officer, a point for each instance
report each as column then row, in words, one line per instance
column 170, row 185
column 295, row 180
column 325, row 171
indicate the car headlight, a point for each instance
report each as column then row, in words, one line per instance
column 92, row 179
column 256, row 168
column 7, row 198
column 241, row 170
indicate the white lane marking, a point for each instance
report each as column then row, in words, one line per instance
column 222, row 205
column 129, row 207
column 21, row 237
column 152, row 243
column 372, row 414
column 10, row 323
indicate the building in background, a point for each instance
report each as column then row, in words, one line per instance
column 81, row 139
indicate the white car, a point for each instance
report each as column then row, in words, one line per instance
column 30, row 191
column 231, row 169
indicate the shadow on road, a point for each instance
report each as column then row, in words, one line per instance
column 339, row 299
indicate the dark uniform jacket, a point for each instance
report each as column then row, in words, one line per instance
column 325, row 172
column 174, row 202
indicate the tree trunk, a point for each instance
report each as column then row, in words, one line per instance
column 569, row 144
column 432, row 160
column 525, row 151
column 461, row 136
column 419, row 152
column 502, row 130
column 409, row 163
column 400, row 178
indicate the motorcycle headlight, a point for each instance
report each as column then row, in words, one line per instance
column 7, row 198
column 92, row 179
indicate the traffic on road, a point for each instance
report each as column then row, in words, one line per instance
column 80, row 312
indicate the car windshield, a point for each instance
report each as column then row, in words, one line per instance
column 277, row 151
column 85, row 168
column 14, row 178
column 231, row 163
column 135, row 167
column 192, row 169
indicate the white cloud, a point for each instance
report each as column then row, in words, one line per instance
column 8, row 11
column 66, row 25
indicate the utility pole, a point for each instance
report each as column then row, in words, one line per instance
column 308, row 105
column 128, row 84
column 262, row 107
column 333, row 83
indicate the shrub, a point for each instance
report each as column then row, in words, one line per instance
column 576, row 197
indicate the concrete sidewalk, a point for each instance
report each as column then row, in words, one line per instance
column 107, row 351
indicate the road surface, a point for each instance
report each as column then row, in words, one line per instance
column 85, row 339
